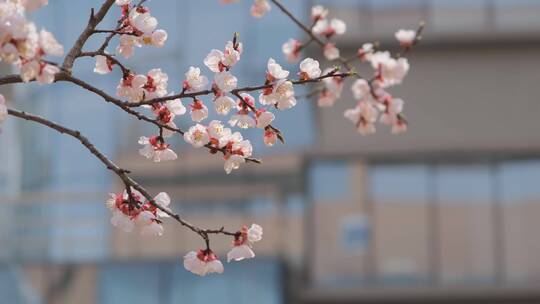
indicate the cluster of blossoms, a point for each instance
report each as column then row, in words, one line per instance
column 278, row 93
column 205, row 261
column 217, row 137
column 131, row 209
column 374, row 102
column 23, row 46
column 137, row 28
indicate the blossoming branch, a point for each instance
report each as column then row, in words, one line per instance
column 214, row 87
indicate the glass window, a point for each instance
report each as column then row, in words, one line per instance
column 330, row 181
column 355, row 233
column 465, row 222
column 400, row 227
column 521, row 205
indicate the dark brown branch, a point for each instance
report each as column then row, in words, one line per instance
column 308, row 31
column 94, row 20
column 125, row 70
column 121, row 173
column 238, row 90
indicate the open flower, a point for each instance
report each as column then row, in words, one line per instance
column 225, row 81
column 309, row 69
column 318, row 12
column 363, row 116
column 132, row 87
column 264, row 118
column 243, row 242
column 141, row 20
column 218, row 61
column 199, row 111
column 281, row 95
column 197, row 136
column 329, row 28
column 156, row 149
column 223, row 104
column 131, row 209
column 260, row 8
column 194, row 80
column 202, row 262
column 331, row 52
column 405, row 37
column 360, row 88
column 291, row 49
column 275, row 71
column 103, row 65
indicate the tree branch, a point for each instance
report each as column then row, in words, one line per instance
column 121, row 173
column 94, row 20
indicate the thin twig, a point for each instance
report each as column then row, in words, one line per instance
column 93, row 21
column 121, row 173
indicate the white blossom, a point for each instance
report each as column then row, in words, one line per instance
column 264, row 118
column 202, row 263
column 291, row 49
column 223, row 104
column 270, row 138
column 363, row 116
column 331, row 52
column 142, row 21
column 32, row 5
column 242, row 120
column 260, row 8
column 158, row 38
column 197, row 136
column 47, row 73
column 275, row 71
column 240, row 252
column 152, row 229
column 176, row 107
column 233, row 162
column 213, row 61
column 155, row 149
column 255, row 233
column 360, row 88
column 199, row 111
column 318, row 12
column 225, row 81
column 194, row 80
column 49, row 45
column 127, row 44
column 282, row 95
column 103, row 65
column 405, row 37
column 329, row 28
column 131, row 87
column 309, row 68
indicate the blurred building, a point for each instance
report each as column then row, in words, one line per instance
column 446, row 213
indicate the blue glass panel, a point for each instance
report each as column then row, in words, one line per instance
column 519, row 180
column 399, row 182
column 464, row 183
column 329, row 180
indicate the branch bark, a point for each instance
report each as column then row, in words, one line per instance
column 94, row 20
column 121, row 173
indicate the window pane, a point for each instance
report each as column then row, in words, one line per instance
column 465, row 223
column 521, row 198
column 400, row 200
